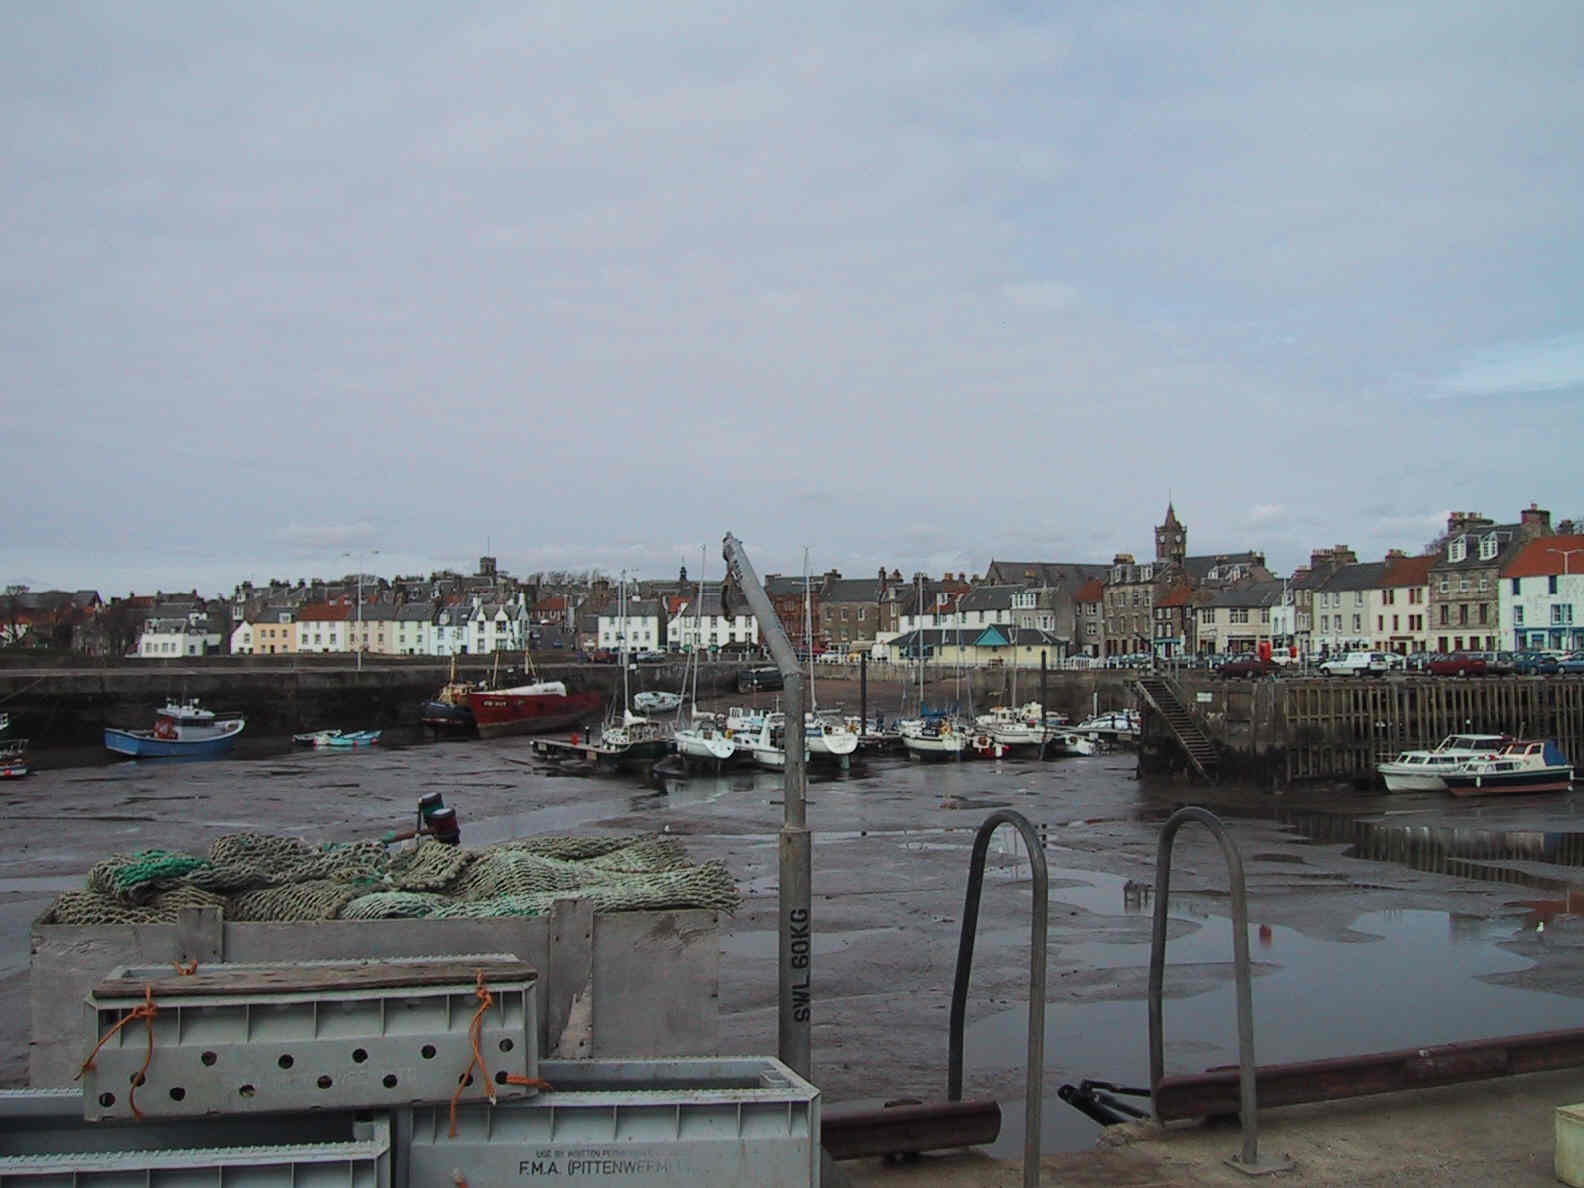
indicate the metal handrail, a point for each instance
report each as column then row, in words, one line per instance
column 1248, row 1160
column 1036, row 1008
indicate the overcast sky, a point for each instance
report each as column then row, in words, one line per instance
column 909, row 284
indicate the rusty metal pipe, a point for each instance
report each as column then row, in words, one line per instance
column 1215, row 1092
column 909, row 1129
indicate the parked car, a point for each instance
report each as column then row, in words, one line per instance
column 1357, row 664
column 1572, row 664
column 649, row 657
column 1499, row 663
column 1463, row 664
column 1246, row 666
column 1535, row 664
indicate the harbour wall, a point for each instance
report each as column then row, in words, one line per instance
column 66, row 707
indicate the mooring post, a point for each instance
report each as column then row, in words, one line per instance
column 863, row 694
column 795, row 843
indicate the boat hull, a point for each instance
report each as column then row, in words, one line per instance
column 1549, row 779
column 947, row 747
column 715, row 747
column 141, row 744
column 443, row 715
column 499, row 714
column 1417, row 780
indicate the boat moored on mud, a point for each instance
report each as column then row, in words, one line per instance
column 181, row 731
column 1522, row 765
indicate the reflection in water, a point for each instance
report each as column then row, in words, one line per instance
column 1466, row 851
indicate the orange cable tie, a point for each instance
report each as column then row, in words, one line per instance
column 146, row 1011
column 486, row 1000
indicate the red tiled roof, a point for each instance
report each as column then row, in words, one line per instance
column 324, row 612
column 1179, row 596
column 1409, row 571
column 1546, row 556
column 555, row 602
column 675, row 603
column 1091, row 591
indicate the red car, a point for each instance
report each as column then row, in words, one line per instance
column 1457, row 664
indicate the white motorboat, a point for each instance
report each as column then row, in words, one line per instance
column 1422, row 771
column 706, row 738
column 1522, row 765
column 1118, row 724
column 1015, row 726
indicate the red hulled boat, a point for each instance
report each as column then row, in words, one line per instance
column 530, row 709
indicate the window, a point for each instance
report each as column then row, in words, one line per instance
column 1517, row 611
column 1394, row 623
column 1207, row 615
column 863, row 613
column 1484, row 582
column 1457, row 549
column 1487, row 547
column 1462, row 614
column 1325, row 622
column 1444, row 619
column 1443, row 585
column 1380, row 622
column 1238, row 614
column 1561, row 614
column 1484, row 612
column 1463, row 583
column 1517, row 583
column 1358, row 597
column 1358, row 624
column 1551, row 584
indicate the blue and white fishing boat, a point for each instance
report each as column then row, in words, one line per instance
column 355, row 738
column 181, row 731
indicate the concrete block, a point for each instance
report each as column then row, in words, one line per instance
column 1569, row 1157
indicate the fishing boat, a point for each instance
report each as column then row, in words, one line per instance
column 355, row 738
column 1015, row 726
column 1522, row 765
column 1422, row 771
column 448, row 710
column 181, row 731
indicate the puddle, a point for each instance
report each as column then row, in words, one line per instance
column 1401, row 979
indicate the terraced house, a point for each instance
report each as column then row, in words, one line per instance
column 1465, row 598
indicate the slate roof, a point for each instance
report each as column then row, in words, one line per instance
column 1251, row 594
column 1199, row 568
column 1044, row 573
column 983, row 598
column 1506, row 535
column 853, row 590
column 415, row 612
column 1362, row 575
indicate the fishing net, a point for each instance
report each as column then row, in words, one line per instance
column 259, row 877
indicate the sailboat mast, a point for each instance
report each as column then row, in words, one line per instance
column 621, row 635
column 808, row 629
column 698, row 630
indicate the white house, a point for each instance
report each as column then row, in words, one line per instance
column 242, row 639
column 695, row 626
column 450, row 632
column 644, row 631
column 414, row 632
column 1541, row 598
column 191, row 634
column 982, row 606
column 498, row 626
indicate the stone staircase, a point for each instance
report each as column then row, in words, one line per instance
column 1163, row 696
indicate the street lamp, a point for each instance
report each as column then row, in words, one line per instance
column 1566, row 553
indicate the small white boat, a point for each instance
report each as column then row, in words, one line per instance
column 1071, row 742
column 767, row 748
column 1423, row 771
column 706, row 738
column 826, row 739
column 1119, row 724
column 1015, row 726
column 934, row 737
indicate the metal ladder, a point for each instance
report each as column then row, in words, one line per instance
column 1247, row 1160
column 1036, row 1008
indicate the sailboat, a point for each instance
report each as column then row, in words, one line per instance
column 631, row 738
column 702, row 736
column 824, row 739
column 932, row 735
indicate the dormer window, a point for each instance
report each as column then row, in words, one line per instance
column 1457, row 550
column 1487, row 547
